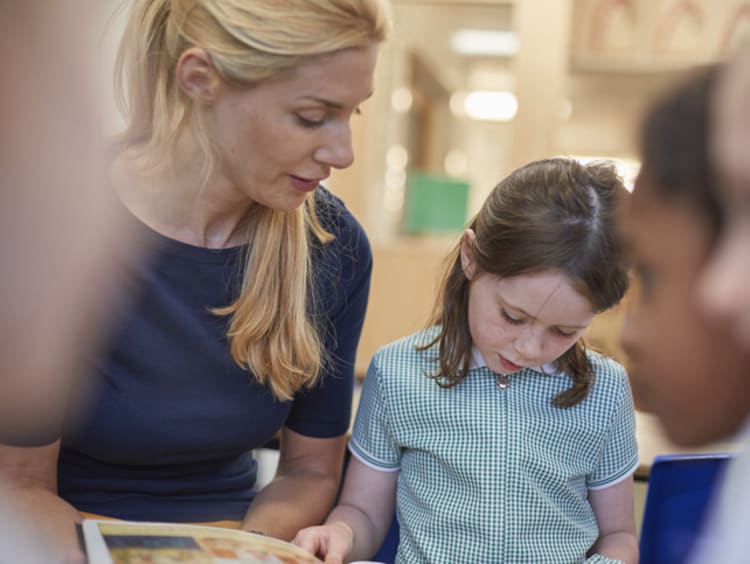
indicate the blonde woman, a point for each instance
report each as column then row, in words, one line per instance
column 244, row 321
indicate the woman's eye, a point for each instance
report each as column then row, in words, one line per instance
column 510, row 319
column 306, row 122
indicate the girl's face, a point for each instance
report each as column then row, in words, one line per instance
column 522, row 321
column 681, row 368
column 275, row 142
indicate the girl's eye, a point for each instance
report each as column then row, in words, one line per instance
column 510, row 319
column 566, row 334
column 305, row 122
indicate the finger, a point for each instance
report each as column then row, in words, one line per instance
column 338, row 548
column 306, row 541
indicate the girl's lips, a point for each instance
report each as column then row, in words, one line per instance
column 304, row 184
column 508, row 365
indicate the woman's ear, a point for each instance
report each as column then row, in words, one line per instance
column 197, row 76
column 468, row 263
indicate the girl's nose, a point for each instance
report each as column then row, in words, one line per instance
column 529, row 343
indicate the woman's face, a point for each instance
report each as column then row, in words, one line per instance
column 681, row 368
column 275, row 142
column 523, row 321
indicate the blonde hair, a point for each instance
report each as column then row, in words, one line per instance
column 271, row 331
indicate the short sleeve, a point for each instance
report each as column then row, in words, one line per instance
column 343, row 271
column 372, row 441
column 619, row 456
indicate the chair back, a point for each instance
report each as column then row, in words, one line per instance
column 680, row 487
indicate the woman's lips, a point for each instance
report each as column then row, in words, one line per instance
column 304, row 184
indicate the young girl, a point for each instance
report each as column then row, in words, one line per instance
column 496, row 434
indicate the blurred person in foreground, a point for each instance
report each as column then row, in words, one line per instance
column 726, row 291
column 685, row 369
column 58, row 233
column 725, row 296
column 244, row 321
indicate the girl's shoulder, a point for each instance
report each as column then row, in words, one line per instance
column 605, row 365
column 610, row 377
column 406, row 355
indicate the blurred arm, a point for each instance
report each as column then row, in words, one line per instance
column 29, row 476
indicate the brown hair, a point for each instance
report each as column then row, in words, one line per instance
column 552, row 214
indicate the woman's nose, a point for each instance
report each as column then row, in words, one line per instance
column 337, row 150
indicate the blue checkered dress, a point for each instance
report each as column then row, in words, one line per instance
column 490, row 475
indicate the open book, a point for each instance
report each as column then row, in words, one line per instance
column 126, row 542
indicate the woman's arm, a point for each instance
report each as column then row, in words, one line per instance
column 613, row 508
column 358, row 524
column 29, row 476
column 304, row 488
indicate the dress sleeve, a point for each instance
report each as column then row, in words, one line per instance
column 343, row 271
column 372, row 441
column 619, row 456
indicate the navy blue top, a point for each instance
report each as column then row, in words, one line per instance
column 169, row 422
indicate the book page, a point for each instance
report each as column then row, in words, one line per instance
column 125, row 542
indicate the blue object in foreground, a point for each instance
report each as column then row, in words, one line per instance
column 680, row 488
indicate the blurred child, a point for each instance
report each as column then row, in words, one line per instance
column 726, row 293
column 671, row 225
column 674, row 225
column 495, row 433
column 726, row 298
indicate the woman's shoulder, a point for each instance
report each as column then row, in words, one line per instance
column 333, row 214
column 350, row 247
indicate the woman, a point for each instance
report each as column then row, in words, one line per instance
column 244, row 322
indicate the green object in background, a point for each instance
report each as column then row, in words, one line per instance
column 435, row 204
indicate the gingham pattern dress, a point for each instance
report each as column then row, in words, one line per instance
column 489, row 475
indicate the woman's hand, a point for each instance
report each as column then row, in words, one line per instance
column 332, row 542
